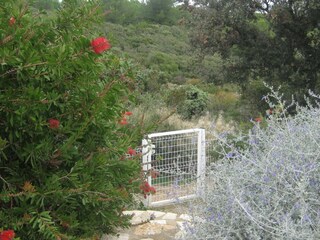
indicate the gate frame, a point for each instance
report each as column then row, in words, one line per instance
column 147, row 151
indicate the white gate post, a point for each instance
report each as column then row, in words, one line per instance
column 146, row 161
column 201, row 166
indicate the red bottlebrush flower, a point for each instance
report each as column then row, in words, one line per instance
column 147, row 189
column 131, row 151
column 7, row 235
column 128, row 113
column 53, row 123
column 123, row 121
column 154, row 174
column 145, row 185
column 258, row 119
column 12, row 21
column 152, row 190
column 100, row 45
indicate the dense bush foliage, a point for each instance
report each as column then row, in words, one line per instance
column 232, row 41
column 188, row 100
column 154, row 11
column 161, row 49
column 63, row 136
column 194, row 102
column 268, row 187
column 277, row 41
column 46, row 4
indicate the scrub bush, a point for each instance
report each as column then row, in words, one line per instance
column 267, row 184
column 64, row 125
column 189, row 100
column 195, row 103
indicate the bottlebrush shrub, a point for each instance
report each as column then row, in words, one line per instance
column 63, row 174
column 269, row 189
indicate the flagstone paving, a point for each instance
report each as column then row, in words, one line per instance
column 153, row 225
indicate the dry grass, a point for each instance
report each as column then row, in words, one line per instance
column 170, row 121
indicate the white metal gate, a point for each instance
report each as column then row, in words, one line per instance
column 176, row 161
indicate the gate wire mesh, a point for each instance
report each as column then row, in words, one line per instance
column 178, row 158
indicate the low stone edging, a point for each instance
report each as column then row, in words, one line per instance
column 151, row 225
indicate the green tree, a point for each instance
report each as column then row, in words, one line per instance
column 64, row 173
column 46, row 4
column 276, row 41
column 124, row 12
column 190, row 101
column 195, row 103
column 160, row 11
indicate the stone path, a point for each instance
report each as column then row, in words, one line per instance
column 153, row 225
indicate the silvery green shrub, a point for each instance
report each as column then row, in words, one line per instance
column 269, row 188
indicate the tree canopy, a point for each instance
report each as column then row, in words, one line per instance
column 275, row 40
column 160, row 11
column 46, row 4
column 131, row 12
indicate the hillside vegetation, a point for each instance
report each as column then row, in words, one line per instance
column 82, row 82
column 165, row 49
column 169, row 68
